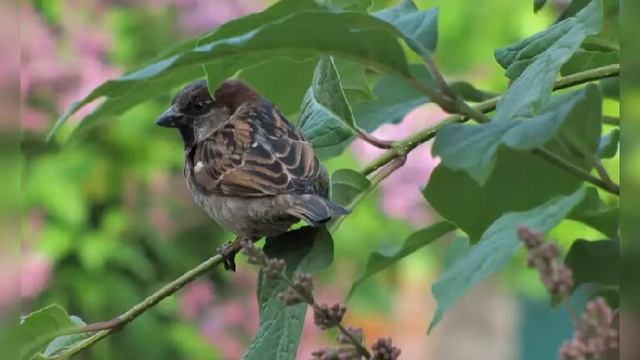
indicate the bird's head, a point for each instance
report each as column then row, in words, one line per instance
column 196, row 114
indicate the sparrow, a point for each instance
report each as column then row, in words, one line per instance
column 246, row 165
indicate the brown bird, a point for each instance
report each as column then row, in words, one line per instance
column 251, row 170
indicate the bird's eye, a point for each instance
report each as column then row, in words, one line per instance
column 197, row 107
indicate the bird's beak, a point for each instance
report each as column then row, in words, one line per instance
column 169, row 118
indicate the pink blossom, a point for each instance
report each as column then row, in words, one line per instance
column 35, row 272
column 401, row 197
column 204, row 15
column 196, row 297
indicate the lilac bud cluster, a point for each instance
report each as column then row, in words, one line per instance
column 555, row 275
column 326, row 317
column 301, row 291
column 343, row 353
column 595, row 335
column 272, row 268
column 383, row 349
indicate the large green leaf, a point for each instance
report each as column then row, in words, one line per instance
column 355, row 5
column 595, row 213
column 496, row 247
column 307, row 250
column 608, row 146
column 346, row 185
column 530, row 92
column 594, row 262
column 326, row 117
column 420, row 28
column 538, row 4
column 252, row 21
column 268, row 78
column 549, row 48
column 470, row 92
column 520, row 181
column 352, row 35
column 384, row 258
column 394, row 100
column 278, row 31
column 584, row 60
column 354, row 81
column 473, row 148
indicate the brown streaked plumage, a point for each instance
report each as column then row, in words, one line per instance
column 245, row 164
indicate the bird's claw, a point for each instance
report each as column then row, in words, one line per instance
column 228, row 251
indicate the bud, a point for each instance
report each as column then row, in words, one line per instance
column 326, row 317
column 255, row 256
column 274, row 268
column 595, row 334
column 356, row 333
column 383, row 349
column 555, row 275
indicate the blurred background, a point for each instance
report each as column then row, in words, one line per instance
column 108, row 219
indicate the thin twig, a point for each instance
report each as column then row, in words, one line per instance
column 574, row 170
column 381, row 144
column 611, row 120
column 604, row 175
column 137, row 310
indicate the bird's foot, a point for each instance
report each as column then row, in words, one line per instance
column 228, row 251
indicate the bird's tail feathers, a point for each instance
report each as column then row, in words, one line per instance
column 316, row 210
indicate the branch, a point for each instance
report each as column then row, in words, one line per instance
column 405, row 146
column 370, row 139
column 575, row 170
column 109, row 327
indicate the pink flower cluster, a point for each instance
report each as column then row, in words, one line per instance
column 555, row 275
column 62, row 65
column 595, row 335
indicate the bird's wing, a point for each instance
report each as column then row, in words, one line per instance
column 256, row 153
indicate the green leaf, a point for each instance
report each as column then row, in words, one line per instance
column 64, row 342
column 496, row 247
column 253, row 40
column 595, row 213
column 584, row 60
column 346, row 185
column 326, row 117
column 611, row 88
column 354, row 81
column 37, row 328
column 549, row 48
column 252, row 21
column 520, row 181
column 594, row 262
column 531, row 91
column 353, row 5
column 538, row 4
column 419, row 28
column 307, row 250
column 268, row 77
column 608, row 146
column 473, row 148
column 352, row 35
column 470, row 92
column 382, row 259
column 395, row 99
